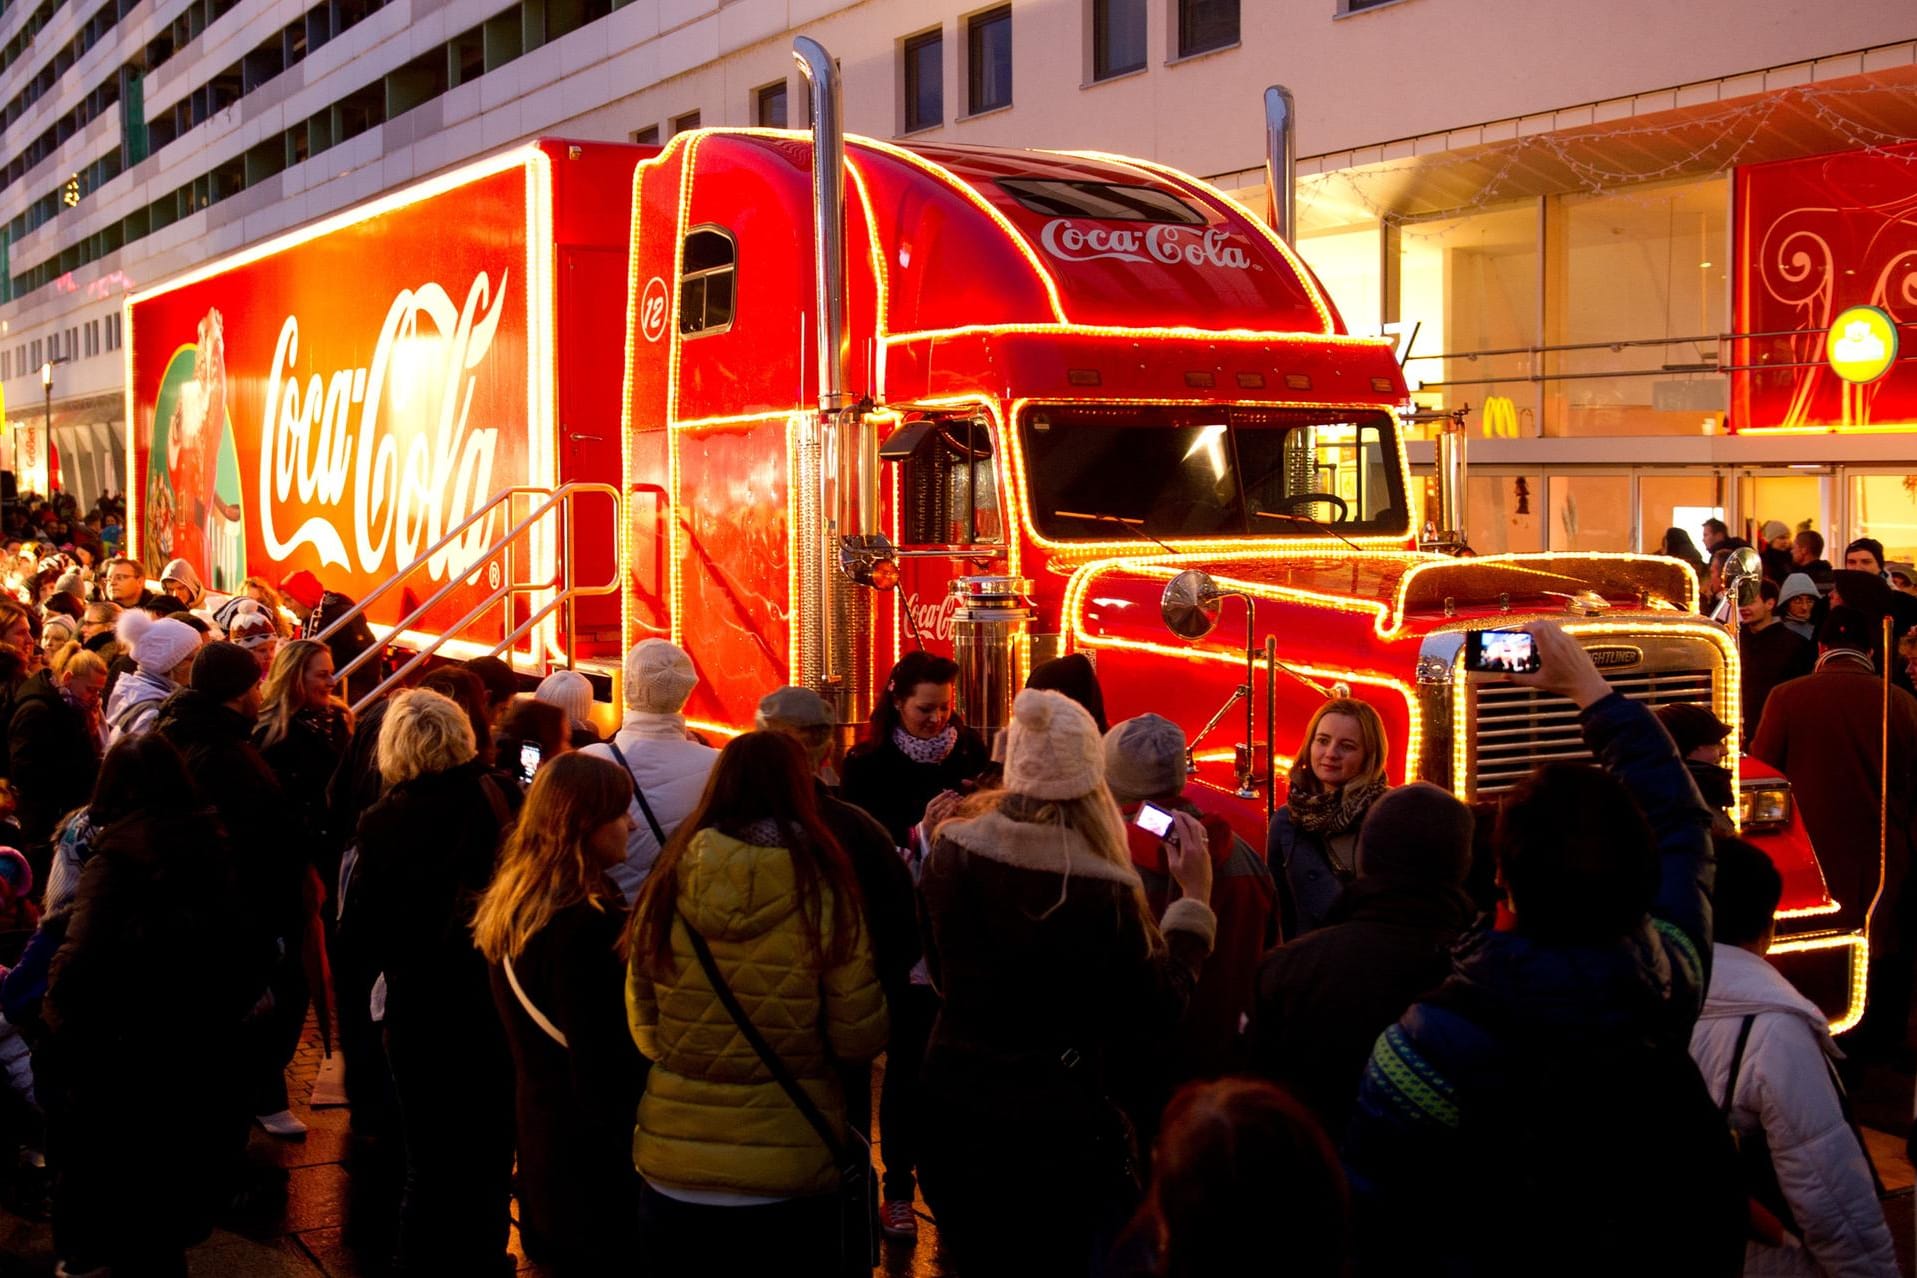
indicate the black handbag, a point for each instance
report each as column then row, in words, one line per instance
column 858, row 1242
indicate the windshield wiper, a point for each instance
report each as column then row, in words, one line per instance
column 1133, row 526
column 1307, row 519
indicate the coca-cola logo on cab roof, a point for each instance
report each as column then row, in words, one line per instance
column 1072, row 240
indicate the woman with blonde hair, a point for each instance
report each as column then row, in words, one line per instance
column 752, row 892
column 1313, row 845
column 1054, row 974
column 549, row 927
column 426, row 854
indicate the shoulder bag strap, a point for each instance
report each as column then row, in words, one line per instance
column 538, row 1017
column 842, row 1157
column 1737, row 1065
column 639, row 793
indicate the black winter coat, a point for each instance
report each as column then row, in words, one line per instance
column 159, row 966
column 1324, row 998
column 891, row 902
column 1036, row 962
column 54, row 758
column 578, row 1189
column 426, row 855
column 268, row 849
column 1562, row 1073
column 882, row 780
column 304, row 761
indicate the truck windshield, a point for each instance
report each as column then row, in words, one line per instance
column 1211, row 472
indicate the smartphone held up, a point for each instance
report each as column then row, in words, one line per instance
column 1501, row 652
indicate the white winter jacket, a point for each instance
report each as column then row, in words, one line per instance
column 671, row 770
column 1785, row 1089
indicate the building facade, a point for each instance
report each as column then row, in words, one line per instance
column 1565, row 209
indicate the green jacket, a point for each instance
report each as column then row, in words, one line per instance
column 713, row 1118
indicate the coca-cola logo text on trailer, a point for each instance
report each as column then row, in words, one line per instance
column 1070, row 240
column 356, row 440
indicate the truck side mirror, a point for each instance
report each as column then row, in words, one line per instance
column 1743, row 571
column 1189, row 606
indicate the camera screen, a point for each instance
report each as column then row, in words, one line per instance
column 1154, row 819
column 528, row 760
column 1504, row 652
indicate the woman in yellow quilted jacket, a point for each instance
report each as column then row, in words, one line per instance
column 736, row 1180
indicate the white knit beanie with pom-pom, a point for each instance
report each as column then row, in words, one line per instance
column 157, row 644
column 1052, row 748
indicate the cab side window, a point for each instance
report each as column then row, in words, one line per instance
column 707, row 276
column 948, row 484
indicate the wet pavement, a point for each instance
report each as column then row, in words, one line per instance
column 333, row 1217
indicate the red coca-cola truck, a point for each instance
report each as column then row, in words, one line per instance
column 802, row 402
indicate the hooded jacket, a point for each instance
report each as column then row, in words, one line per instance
column 1794, row 585
column 672, row 772
column 713, row 1119
column 134, row 704
column 1786, row 1090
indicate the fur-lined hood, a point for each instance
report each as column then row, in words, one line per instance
column 1049, row 849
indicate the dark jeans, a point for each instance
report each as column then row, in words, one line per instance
column 455, row 1089
column 796, row 1238
column 270, row 1041
column 913, row 1012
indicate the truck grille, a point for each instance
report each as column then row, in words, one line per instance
column 1516, row 729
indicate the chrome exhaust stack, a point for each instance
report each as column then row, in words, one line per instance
column 1281, row 161
column 839, row 504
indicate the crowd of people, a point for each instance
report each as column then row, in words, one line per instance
column 641, row 986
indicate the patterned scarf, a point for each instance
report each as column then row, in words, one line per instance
column 926, row 749
column 1324, row 811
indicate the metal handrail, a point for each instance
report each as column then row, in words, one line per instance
column 558, row 500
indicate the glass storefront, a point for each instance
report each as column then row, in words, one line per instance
column 1640, row 266
column 1884, row 507
column 1470, row 284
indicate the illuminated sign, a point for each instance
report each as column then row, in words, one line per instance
column 1861, row 344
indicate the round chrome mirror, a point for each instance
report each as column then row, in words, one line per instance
column 1743, row 571
column 1189, row 605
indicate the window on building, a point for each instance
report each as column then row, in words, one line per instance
column 1650, row 262
column 6, row 365
column 947, row 484
column 1471, row 285
column 706, row 282
column 924, row 81
column 685, row 123
column 768, row 105
column 1118, row 37
column 1355, row 6
column 648, row 136
column 1206, row 24
column 988, row 60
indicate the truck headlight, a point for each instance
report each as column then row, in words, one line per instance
column 1764, row 806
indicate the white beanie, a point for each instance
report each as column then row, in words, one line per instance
column 1052, row 748
column 570, row 691
column 659, row 677
column 158, row 645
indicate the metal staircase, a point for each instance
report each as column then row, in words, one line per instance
column 557, row 505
